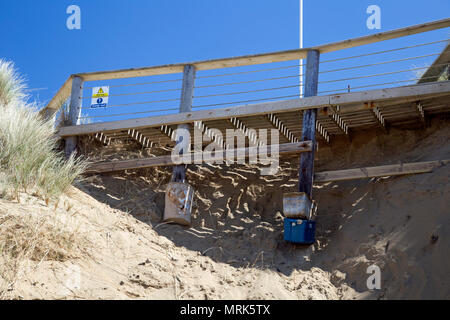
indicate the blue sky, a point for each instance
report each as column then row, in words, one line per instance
column 122, row 34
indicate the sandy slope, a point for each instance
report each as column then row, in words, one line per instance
column 235, row 248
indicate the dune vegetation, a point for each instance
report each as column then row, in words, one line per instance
column 29, row 159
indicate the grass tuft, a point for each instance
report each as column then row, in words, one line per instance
column 29, row 159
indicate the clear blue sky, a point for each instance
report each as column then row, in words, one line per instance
column 122, row 34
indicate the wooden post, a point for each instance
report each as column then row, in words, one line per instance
column 187, row 94
column 306, row 171
column 74, row 113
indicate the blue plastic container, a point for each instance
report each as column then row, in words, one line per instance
column 299, row 231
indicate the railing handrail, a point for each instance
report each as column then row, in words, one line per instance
column 295, row 54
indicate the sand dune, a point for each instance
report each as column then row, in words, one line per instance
column 235, row 247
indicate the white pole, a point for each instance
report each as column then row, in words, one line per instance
column 301, row 47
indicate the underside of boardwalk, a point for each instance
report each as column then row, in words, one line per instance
column 343, row 114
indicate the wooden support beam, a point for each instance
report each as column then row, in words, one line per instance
column 74, row 114
column 278, row 124
column 110, row 166
column 187, row 94
column 380, row 171
column 306, row 170
column 140, row 138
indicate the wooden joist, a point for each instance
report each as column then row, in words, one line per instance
column 210, row 134
column 380, row 171
column 340, row 123
column 380, row 118
column 252, row 135
column 103, row 138
column 323, row 132
column 140, row 138
column 278, row 124
column 110, row 166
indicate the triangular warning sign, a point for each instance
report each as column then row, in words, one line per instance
column 100, row 91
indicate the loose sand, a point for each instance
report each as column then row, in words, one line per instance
column 235, row 249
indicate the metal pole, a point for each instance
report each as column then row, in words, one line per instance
column 301, row 47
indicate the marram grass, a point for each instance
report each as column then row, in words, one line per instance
column 29, row 160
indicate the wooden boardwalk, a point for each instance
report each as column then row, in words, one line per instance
column 305, row 119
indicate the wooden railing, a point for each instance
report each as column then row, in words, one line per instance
column 70, row 87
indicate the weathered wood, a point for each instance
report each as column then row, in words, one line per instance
column 58, row 100
column 239, row 153
column 306, row 170
column 74, row 113
column 356, row 100
column 295, row 54
column 187, row 94
column 380, row 171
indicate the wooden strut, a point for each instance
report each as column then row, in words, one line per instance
column 288, row 148
column 168, row 160
column 306, row 169
column 187, row 94
column 380, row 171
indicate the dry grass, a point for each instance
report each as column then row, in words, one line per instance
column 29, row 160
column 30, row 237
column 31, row 164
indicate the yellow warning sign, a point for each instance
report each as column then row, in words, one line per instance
column 100, row 93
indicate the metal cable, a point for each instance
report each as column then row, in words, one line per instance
column 325, row 61
column 253, row 71
column 384, row 51
column 322, row 72
column 250, row 81
column 381, row 74
column 371, row 85
column 134, row 103
column 137, row 84
column 130, row 113
column 136, row 93
column 243, row 92
column 254, row 100
column 383, row 62
column 276, row 68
